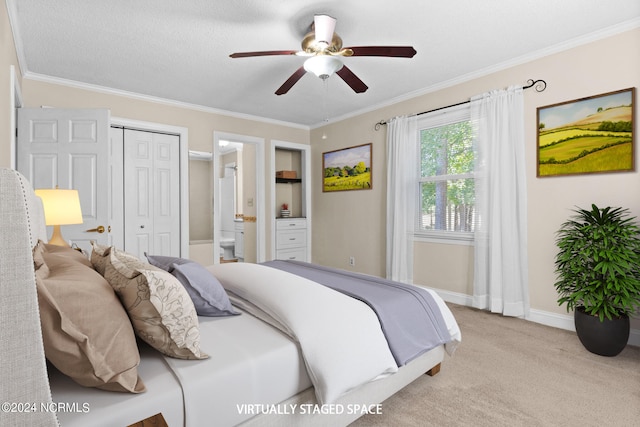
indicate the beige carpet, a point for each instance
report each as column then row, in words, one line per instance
column 511, row 372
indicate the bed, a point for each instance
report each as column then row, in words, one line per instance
column 289, row 350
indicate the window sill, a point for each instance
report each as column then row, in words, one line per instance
column 444, row 237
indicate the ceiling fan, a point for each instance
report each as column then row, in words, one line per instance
column 323, row 47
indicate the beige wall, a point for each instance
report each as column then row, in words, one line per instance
column 200, row 200
column 353, row 223
column 249, row 209
column 200, row 124
column 8, row 58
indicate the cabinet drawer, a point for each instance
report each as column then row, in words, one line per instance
column 291, row 223
column 291, row 238
column 298, row 254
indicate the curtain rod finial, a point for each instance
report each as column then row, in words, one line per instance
column 539, row 85
column 379, row 124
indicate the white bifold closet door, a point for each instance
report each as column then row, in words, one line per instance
column 151, row 193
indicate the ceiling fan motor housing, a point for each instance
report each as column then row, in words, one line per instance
column 312, row 47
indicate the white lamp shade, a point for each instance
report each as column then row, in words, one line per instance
column 61, row 207
column 322, row 66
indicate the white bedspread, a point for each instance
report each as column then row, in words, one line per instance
column 249, row 363
column 341, row 339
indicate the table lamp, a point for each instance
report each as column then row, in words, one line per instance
column 61, row 207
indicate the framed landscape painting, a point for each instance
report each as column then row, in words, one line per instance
column 347, row 169
column 588, row 135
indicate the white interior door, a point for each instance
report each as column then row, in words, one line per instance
column 69, row 149
column 152, row 193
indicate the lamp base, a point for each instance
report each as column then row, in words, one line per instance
column 56, row 237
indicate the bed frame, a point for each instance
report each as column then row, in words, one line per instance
column 25, row 387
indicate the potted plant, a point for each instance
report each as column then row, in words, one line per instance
column 598, row 275
column 285, row 212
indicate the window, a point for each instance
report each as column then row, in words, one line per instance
column 446, row 181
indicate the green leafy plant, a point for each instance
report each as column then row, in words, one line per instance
column 598, row 263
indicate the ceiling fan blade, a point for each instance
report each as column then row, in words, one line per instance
column 394, row 51
column 324, row 26
column 352, row 80
column 291, row 81
column 263, row 53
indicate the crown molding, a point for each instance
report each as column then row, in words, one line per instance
column 12, row 13
column 541, row 53
column 133, row 95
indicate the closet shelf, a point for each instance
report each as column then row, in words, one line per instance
column 288, row 180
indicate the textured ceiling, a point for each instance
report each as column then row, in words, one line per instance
column 179, row 50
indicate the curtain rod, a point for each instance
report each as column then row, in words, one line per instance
column 538, row 85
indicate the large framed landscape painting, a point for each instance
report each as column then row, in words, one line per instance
column 347, row 169
column 588, row 135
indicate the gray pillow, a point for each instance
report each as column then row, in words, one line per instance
column 206, row 292
column 166, row 262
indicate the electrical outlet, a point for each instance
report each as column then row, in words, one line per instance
column 352, row 261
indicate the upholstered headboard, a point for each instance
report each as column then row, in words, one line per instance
column 23, row 370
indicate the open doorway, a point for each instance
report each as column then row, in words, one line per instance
column 238, row 198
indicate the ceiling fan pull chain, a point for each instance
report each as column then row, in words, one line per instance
column 325, row 110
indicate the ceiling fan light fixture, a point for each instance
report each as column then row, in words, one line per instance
column 324, row 25
column 323, row 46
column 322, row 66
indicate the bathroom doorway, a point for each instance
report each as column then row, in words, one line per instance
column 231, row 206
column 238, row 203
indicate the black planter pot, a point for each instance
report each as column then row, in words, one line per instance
column 606, row 338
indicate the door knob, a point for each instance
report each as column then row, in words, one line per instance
column 98, row 229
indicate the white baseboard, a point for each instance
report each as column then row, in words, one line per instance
column 562, row 321
column 455, row 297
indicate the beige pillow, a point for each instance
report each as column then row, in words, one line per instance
column 159, row 307
column 86, row 332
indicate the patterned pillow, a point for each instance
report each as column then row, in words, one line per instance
column 159, row 307
column 100, row 257
column 86, row 332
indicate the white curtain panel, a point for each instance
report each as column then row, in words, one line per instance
column 402, row 173
column 500, row 274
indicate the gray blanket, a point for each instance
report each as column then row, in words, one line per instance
column 409, row 316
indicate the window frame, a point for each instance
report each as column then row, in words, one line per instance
column 431, row 120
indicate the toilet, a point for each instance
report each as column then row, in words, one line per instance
column 227, row 246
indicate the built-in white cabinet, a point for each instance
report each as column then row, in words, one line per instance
column 291, row 179
column 291, row 239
